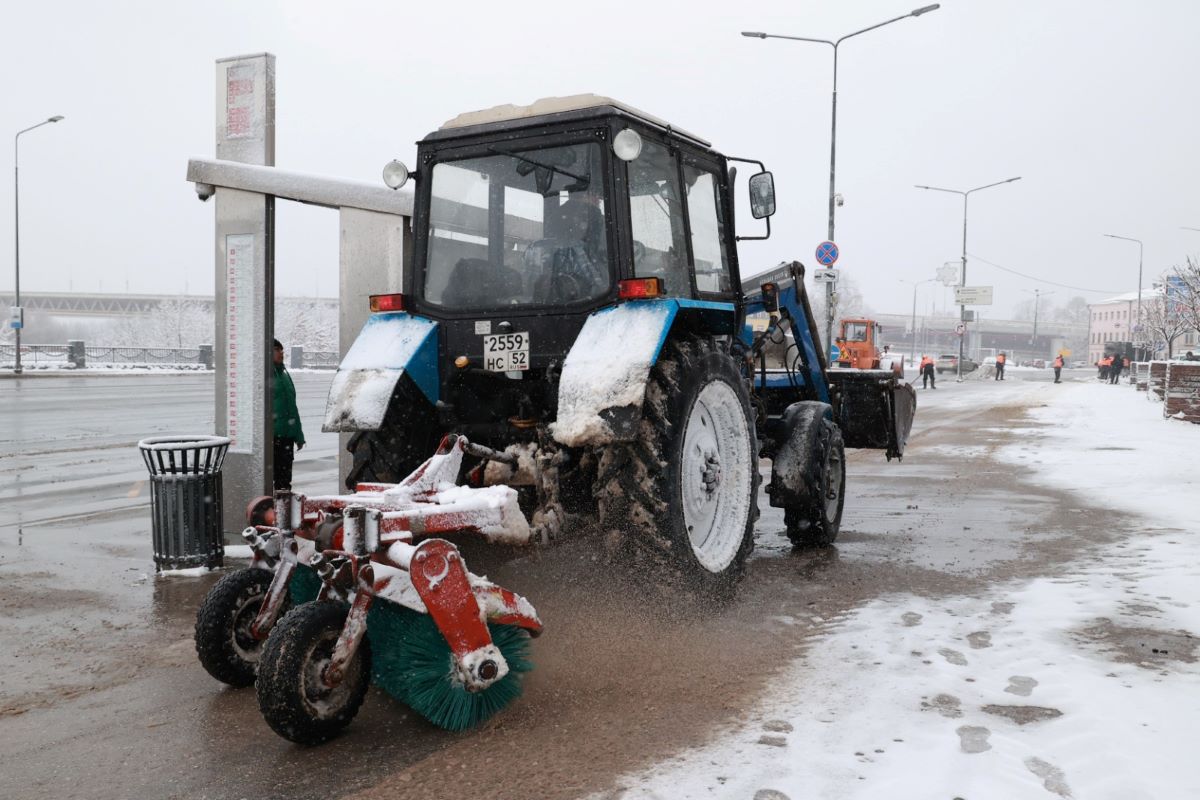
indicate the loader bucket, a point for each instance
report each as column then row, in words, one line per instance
column 873, row 408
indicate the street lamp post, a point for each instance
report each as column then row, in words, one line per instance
column 962, row 279
column 916, row 12
column 915, row 284
column 17, row 229
column 1137, row 320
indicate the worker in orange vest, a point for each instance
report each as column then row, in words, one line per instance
column 1058, row 365
column 1104, row 365
column 1000, row 359
column 928, row 380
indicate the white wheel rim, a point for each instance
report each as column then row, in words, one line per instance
column 715, row 476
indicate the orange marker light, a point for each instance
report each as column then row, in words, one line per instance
column 387, row 302
column 640, row 289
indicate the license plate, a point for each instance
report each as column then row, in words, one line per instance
column 506, row 352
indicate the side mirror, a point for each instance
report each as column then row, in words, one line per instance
column 762, row 195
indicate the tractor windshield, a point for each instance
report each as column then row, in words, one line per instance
column 518, row 228
column 855, row 332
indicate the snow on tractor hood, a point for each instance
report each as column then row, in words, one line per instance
column 389, row 346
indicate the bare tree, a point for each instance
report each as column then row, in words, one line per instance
column 849, row 301
column 1185, row 291
column 1162, row 319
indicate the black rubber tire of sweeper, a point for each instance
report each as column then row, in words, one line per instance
column 291, row 696
column 639, row 486
column 817, row 523
column 223, row 641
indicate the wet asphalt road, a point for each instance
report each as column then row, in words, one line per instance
column 101, row 695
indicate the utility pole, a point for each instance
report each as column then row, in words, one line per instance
column 830, row 310
column 962, row 279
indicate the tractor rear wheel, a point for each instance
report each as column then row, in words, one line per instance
column 224, row 644
column 684, row 492
column 816, row 524
column 408, row 437
column 292, row 694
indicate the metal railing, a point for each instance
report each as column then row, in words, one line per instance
column 78, row 356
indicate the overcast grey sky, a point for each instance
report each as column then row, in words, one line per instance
column 1092, row 102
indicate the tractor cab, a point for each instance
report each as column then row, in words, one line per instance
column 858, row 344
column 528, row 219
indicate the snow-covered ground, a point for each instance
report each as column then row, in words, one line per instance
column 1083, row 685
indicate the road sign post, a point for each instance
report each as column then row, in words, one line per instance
column 827, row 255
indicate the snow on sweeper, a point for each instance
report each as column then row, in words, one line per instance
column 575, row 307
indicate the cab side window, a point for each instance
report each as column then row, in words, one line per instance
column 656, row 218
column 708, row 230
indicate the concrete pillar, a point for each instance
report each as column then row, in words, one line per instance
column 76, row 353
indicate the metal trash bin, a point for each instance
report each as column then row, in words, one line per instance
column 185, row 499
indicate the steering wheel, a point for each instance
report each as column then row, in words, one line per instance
column 564, row 288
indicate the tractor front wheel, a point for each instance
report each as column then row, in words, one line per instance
column 224, row 644
column 684, row 492
column 817, row 522
column 292, row 694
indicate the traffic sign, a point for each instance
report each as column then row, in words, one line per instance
column 826, row 275
column 960, row 329
column 827, row 254
column 834, row 353
column 973, row 295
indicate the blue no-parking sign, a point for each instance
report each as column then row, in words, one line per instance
column 827, row 254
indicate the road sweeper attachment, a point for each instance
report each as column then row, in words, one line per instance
column 391, row 604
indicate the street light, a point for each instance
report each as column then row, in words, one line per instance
column 916, row 12
column 17, row 231
column 1137, row 320
column 962, row 279
column 915, row 284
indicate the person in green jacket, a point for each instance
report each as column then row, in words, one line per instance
column 289, row 436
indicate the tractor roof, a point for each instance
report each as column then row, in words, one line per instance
column 578, row 106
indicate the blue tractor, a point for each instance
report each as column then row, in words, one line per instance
column 574, row 304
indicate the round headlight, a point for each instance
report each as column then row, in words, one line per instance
column 395, row 174
column 627, row 145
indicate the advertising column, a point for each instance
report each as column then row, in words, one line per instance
column 245, row 284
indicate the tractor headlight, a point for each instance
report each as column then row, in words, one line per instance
column 395, row 174
column 627, row 145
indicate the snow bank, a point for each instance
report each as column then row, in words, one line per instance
column 1084, row 685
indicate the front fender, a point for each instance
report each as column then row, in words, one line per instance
column 793, row 481
column 390, row 345
column 604, row 376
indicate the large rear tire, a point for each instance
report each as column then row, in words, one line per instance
column 223, row 641
column 408, row 437
column 684, row 492
column 291, row 695
column 817, row 523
